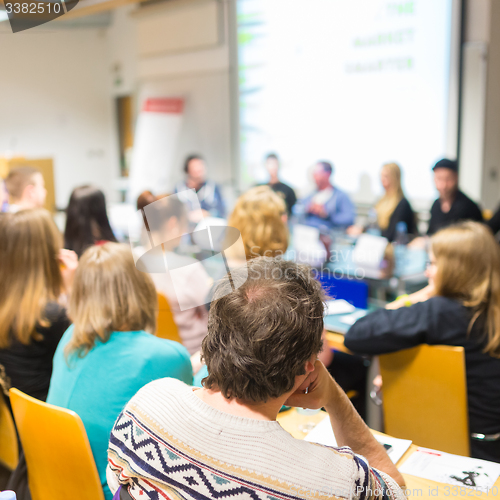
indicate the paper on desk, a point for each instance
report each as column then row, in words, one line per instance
column 323, row 434
column 451, row 469
column 350, row 319
column 338, row 306
column 369, row 251
column 307, row 245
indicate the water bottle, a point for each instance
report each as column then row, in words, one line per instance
column 372, row 223
column 8, row 495
column 401, row 233
column 400, row 242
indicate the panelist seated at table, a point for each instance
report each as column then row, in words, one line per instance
column 223, row 440
column 328, row 207
column 459, row 307
column 452, row 205
column 208, row 191
column 393, row 207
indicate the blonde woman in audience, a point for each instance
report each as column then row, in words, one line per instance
column 34, row 273
column 393, row 207
column 110, row 351
column 459, row 307
column 260, row 216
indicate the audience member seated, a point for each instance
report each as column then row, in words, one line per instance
column 34, row 273
column 87, row 221
column 261, row 351
column 459, row 307
column 393, row 207
column 328, row 207
column 273, row 168
column 26, row 189
column 452, row 205
column 187, row 289
column 110, row 351
column 260, row 216
column 145, row 199
column 208, row 192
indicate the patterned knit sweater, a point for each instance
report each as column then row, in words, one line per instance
column 169, row 444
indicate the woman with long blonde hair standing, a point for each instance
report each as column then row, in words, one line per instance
column 34, row 273
column 459, row 307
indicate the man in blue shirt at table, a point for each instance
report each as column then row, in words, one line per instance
column 328, row 207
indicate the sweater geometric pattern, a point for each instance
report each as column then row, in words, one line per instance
column 154, row 464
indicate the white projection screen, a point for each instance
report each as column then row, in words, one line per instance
column 357, row 82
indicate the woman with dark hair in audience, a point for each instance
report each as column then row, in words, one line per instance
column 459, row 307
column 110, row 351
column 87, row 221
column 34, row 273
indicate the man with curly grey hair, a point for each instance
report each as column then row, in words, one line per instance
column 223, row 440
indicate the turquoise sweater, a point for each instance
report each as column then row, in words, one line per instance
column 99, row 385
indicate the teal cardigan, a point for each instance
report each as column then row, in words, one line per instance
column 99, row 385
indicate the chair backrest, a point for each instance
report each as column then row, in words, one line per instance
column 9, row 448
column 166, row 327
column 353, row 291
column 57, row 451
column 425, row 397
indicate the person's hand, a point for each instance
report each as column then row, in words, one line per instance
column 68, row 264
column 319, row 210
column 422, row 295
column 316, row 391
column 354, row 230
column 196, row 362
column 419, row 243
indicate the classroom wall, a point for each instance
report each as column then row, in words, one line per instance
column 183, row 50
column 55, row 101
column 480, row 134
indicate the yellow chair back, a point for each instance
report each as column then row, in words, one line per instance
column 166, row 327
column 57, row 451
column 9, row 449
column 425, row 397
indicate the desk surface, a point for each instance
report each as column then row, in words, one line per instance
column 336, row 329
column 334, row 323
column 299, row 425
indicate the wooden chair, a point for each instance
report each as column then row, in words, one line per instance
column 57, row 451
column 9, row 448
column 425, row 397
column 166, row 327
